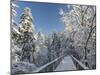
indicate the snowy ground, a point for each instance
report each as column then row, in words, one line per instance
column 66, row 64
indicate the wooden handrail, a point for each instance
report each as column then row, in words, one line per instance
column 44, row 66
column 79, row 63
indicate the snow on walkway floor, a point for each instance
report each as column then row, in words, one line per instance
column 66, row 64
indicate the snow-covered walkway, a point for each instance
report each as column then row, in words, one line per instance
column 66, row 64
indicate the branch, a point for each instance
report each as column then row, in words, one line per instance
column 90, row 34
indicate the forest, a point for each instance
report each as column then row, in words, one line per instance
column 33, row 51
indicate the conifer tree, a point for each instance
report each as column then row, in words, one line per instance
column 26, row 38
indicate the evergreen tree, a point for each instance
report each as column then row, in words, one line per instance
column 26, row 38
column 14, row 32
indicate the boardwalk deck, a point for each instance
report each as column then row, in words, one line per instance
column 66, row 64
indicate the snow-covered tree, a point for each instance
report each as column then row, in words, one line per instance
column 13, row 12
column 41, row 53
column 14, row 31
column 80, row 24
column 86, row 19
column 40, row 37
column 13, row 15
column 26, row 38
column 26, row 23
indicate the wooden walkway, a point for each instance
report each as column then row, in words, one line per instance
column 66, row 64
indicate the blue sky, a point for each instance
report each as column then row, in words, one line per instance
column 46, row 15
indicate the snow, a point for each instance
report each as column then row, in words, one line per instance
column 66, row 64
column 22, row 67
column 53, row 44
column 40, row 55
column 61, row 12
column 14, row 5
column 16, row 30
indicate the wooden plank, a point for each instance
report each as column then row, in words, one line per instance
column 66, row 64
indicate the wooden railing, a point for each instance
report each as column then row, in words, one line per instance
column 79, row 64
column 46, row 65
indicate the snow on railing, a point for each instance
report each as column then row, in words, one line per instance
column 79, row 63
column 46, row 65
